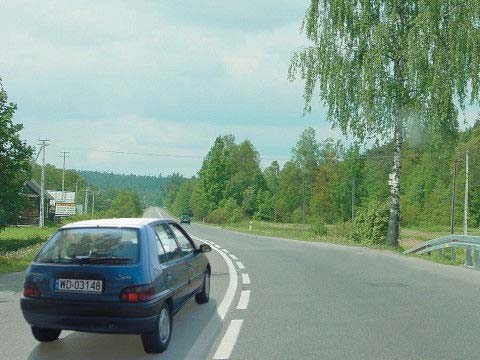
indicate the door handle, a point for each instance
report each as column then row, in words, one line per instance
column 169, row 275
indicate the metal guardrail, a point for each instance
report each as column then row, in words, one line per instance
column 471, row 244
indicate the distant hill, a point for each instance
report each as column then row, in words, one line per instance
column 150, row 188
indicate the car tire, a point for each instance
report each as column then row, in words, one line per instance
column 203, row 296
column 45, row 335
column 157, row 341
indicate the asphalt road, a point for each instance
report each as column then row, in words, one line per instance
column 300, row 300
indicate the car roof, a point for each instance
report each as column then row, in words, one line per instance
column 120, row 222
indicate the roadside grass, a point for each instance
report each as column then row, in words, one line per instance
column 436, row 256
column 19, row 245
column 336, row 234
column 18, row 260
column 340, row 234
column 14, row 238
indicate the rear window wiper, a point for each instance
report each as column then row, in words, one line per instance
column 101, row 259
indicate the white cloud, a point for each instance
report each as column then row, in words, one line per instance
column 77, row 69
column 93, row 143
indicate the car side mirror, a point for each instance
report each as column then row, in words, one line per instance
column 204, row 248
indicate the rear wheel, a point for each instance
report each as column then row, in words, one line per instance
column 203, row 296
column 157, row 341
column 45, row 335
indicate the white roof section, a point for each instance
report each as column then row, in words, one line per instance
column 120, row 222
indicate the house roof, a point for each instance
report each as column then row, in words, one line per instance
column 35, row 187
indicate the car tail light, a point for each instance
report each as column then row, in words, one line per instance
column 137, row 293
column 30, row 289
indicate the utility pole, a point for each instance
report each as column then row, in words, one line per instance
column 454, row 191
column 63, row 154
column 353, row 199
column 41, row 222
column 465, row 214
column 85, row 211
column 303, row 201
column 76, row 190
column 93, row 202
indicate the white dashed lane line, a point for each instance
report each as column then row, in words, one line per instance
column 229, row 339
column 207, row 336
column 244, row 299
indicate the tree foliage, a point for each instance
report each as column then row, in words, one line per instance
column 370, row 58
column 151, row 189
column 15, row 162
column 126, row 204
column 383, row 67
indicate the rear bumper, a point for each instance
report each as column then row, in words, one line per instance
column 91, row 317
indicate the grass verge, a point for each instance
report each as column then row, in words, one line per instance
column 19, row 245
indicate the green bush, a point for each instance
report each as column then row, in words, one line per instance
column 371, row 224
column 228, row 212
column 297, row 216
column 318, row 225
column 125, row 205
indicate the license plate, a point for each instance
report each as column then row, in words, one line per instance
column 79, row 285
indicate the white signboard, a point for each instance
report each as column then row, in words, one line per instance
column 65, row 209
column 63, row 197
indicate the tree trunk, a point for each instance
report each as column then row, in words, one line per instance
column 394, row 178
column 394, row 182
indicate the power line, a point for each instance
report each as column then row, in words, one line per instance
column 121, row 152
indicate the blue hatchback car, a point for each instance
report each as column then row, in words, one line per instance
column 126, row 276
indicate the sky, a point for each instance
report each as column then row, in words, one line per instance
column 159, row 77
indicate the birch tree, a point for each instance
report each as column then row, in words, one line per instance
column 384, row 67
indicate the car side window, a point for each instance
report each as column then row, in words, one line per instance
column 185, row 244
column 162, row 256
column 167, row 240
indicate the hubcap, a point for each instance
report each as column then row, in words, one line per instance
column 207, row 285
column 164, row 324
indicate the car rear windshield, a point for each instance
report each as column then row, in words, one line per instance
column 91, row 245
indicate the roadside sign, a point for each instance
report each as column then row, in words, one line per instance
column 65, row 209
column 63, row 197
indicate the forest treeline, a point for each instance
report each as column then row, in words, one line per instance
column 323, row 179
column 115, row 199
column 146, row 186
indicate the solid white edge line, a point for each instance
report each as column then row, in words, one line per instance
column 245, row 279
column 209, row 332
column 229, row 339
column 65, row 333
column 158, row 212
column 244, row 299
column 233, row 257
column 240, row 265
